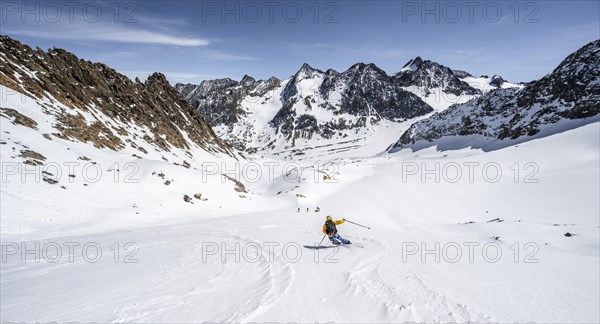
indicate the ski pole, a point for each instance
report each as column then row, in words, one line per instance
column 357, row 224
column 318, row 246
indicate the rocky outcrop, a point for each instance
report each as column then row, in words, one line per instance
column 18, row 118
column 103, row 105
column 220, row 101
column 429, row 75
column 497, row 81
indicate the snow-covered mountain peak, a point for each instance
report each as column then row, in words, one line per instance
column 430, row 75
column 441, row 86
column 307, row 72
column 331, row 72
column 247, row 81
column 566, row 98
column 362, row 69
column 412, row 65
column 310, row 106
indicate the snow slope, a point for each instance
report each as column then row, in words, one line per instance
column 170, row 235
column 183, row 273
column 100, row 189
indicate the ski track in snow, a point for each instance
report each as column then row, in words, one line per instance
column 269, row 278
column 277, row 278
column 414, row 300
column 437, row 303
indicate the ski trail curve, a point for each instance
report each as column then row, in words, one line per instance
column 365, row 279
column 190, row 287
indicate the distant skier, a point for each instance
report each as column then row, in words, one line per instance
column 330, row 230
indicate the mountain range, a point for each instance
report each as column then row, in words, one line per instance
column 423, row 104
column 179, row 189
column 566, row 98
column 313, row 106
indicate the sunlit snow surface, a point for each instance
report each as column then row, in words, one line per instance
column 182, row 273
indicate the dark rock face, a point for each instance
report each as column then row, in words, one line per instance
column 370, row 91
column 262, row 88
column 96, row 88
column 462, row 74
column 219, row 101
column 283, row 121
column 497, row 81
column 430, row 75
column 307, row 125
column 574, row 83
column 571, row 91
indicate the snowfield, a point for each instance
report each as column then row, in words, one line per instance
column 456, row 236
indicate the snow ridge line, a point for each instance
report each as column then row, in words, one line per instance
column 422, row 302
column 457, row 311
column 365, row 279
column 277, row 278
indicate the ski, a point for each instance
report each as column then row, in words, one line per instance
column 313, row 247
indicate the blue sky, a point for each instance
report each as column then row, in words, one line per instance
column 191, row 41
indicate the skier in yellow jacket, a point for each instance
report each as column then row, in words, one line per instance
column 330, row 229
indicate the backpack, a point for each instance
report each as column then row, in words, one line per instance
column 330, row 227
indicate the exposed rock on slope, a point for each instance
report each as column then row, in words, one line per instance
column 220, row 100
column 103, row 106
column 570, row 92
column 364, row 92
column 442, row 87
column 430, row 75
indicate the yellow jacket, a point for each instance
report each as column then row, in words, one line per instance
column 336, row 222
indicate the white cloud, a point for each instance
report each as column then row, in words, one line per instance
column 149, row 31
column 221, row 56
column 470, row 51
column 110, row 34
